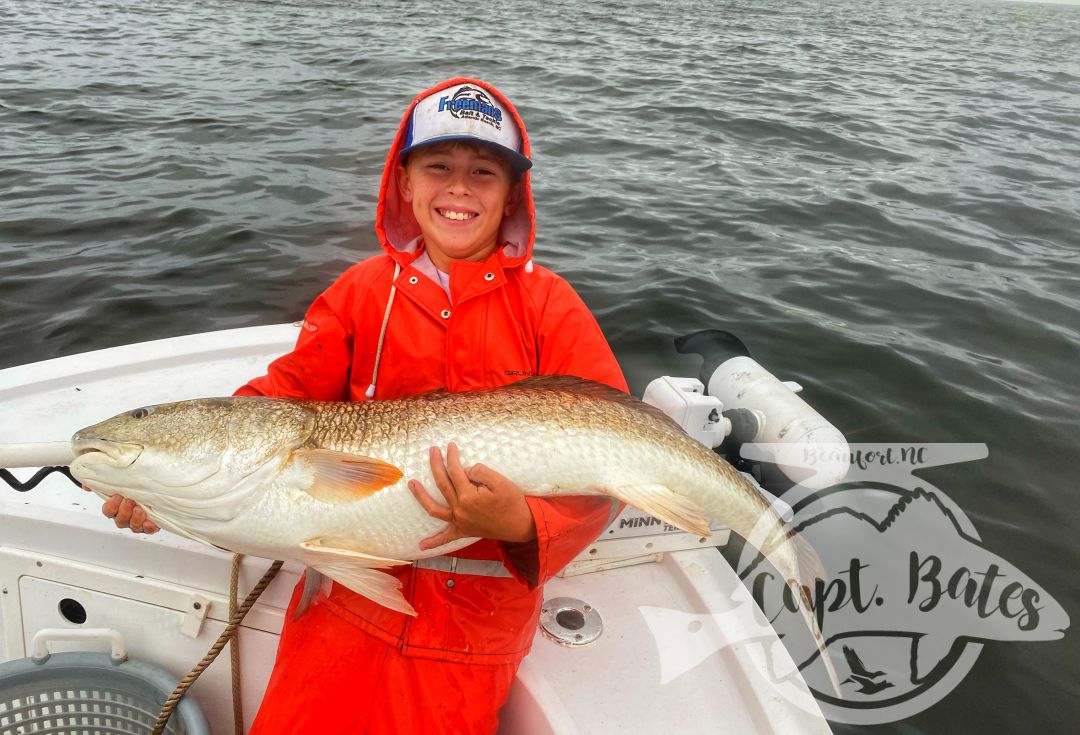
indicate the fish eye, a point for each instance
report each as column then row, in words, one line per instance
column 141, row 413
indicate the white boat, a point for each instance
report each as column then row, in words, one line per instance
column 64, row 566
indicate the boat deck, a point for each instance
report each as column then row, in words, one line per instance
column 168, row 595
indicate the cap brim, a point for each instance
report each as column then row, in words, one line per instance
column 518, row 163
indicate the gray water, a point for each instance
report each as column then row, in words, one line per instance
column 881, row 198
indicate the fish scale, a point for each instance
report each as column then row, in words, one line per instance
column 550, row 442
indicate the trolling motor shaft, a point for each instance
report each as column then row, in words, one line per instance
column 49, row 456
column 36, row 454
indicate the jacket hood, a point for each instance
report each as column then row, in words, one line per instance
column 397, row 228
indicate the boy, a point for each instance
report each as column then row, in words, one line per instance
column 456, row 303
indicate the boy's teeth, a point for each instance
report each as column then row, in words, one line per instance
column 455, row 215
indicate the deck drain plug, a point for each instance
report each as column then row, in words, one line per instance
column 570, row 621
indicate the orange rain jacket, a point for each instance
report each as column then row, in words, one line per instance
column 508, row 319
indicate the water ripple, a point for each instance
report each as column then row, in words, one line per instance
column 880, row 197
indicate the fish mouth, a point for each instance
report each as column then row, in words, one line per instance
column 103, row 451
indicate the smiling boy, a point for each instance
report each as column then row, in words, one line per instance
column 459, row 192
column 455, row 302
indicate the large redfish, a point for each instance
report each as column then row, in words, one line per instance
column 325, row 484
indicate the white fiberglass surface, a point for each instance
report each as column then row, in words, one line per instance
column 51, row 400
column 611, row 685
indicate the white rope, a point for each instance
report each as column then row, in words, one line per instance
column 370, row 393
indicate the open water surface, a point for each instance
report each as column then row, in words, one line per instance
column 881, row 198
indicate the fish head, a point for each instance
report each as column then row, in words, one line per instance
column 187, row 454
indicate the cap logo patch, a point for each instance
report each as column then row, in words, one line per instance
column 469, row 103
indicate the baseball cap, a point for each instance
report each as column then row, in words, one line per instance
column 465, row 112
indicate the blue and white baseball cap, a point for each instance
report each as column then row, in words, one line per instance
column 465, row 112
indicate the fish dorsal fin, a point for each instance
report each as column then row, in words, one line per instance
column 357, row 571
column 565, row 384
column 338, row 477
column 589, row 389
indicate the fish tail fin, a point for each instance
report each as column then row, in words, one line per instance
column 806, row 604
column 800, row 565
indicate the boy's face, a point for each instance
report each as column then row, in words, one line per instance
column 459, row 193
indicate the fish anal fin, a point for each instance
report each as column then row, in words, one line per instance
column 665, row 504
column 338, row 477
column 358, row 572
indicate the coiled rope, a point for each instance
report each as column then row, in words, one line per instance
column 40, row 475
column 236, row 615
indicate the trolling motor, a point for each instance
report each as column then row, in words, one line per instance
column 738, row 402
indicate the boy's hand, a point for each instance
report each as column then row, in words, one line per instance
column 126, row 513
column 482, row 502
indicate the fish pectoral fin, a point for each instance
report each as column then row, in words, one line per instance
column 358, row 572
column 666, row 504
column 339, row 477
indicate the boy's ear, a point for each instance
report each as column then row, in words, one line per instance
column 404, row 184
column 517, row 192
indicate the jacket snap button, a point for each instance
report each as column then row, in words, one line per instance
column 445, row 313
column 414, row 280
column 449, row 583
column 489, row 276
